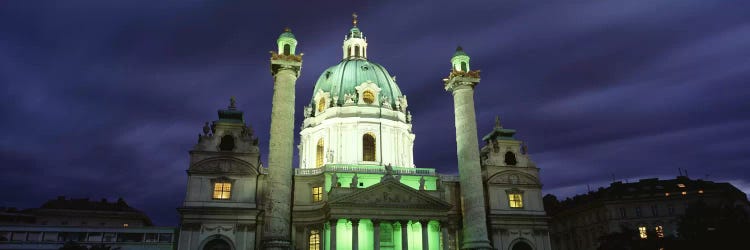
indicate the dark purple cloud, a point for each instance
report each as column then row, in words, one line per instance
column 104, row 100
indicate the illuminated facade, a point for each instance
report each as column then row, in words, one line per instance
column 356, row 185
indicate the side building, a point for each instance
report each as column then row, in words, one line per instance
column 649, row 207
column 82, row 222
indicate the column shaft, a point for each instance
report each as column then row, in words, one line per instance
column 469, row 169
column 376, row 233
column 425, row 235
column 404, row 235
column 333, row 234
column 281, row 146
column 355, row 234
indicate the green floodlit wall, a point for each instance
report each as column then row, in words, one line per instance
column 367, row 180
column 366, row 239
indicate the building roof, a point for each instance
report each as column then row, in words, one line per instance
column 342, row 79
column 86, row 204
column 648, row 189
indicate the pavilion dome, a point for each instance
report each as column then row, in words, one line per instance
column 342, row 79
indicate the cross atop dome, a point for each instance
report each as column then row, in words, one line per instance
column 354, row 19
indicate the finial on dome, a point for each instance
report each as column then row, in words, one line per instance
column 459, row 48
column 497, row 121
column 287, row 29
column 354, row 19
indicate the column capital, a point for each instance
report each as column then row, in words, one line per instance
column 459, row 82
column 355, row 221
column 278, row 65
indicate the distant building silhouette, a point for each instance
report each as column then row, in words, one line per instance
column 649, row 207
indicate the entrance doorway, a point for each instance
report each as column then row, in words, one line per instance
column 521, row 246
column 217, row 244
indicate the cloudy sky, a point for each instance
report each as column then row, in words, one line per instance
column 105, row 98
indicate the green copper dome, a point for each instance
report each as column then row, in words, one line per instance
column 287, row 33
column 344, row 77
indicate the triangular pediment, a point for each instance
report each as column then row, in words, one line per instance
column 389, row 194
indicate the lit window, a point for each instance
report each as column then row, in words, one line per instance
column 317, row 194
column 642, row 232
column 319, row 152
column 700, row 191
column 125, row 225
column 314, row 240
column 666, row 194
column 680, row 185
column 659, row 231
column 368, row 147
column 368, row 97
column 222, row 190
column 321, row 104
column 684, row 193
column 515, row 200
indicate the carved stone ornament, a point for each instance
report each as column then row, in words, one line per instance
column 391, row 194
column 222, row 165
column 513, row 177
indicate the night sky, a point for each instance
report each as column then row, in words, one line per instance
column 103, row 100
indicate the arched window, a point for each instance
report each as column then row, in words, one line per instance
column 368, row 147
column 321, row 104
column 368, row 97
column 227, row 143
column 510, row 158
column 314, row 240
column 356, row 50
column 463, row 66
column 287, row 49
column 319, row 153
column 348, row 51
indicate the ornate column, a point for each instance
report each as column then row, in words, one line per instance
column 285, row 68
column 425, row 235
column 355, row 234
column 404, row 234
column 376, row 233
column 444, row 234
column 333, row 233
column 461, row 84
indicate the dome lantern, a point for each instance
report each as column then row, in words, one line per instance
column 355, row 43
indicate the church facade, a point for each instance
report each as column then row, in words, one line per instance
column 357, row 185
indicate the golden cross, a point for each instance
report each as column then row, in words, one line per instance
column 354, row 19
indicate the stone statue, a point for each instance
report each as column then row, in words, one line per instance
column 408, row 116
column 232, row 103
column 335, row 180
column 524, row 149
column 330, row 156
column 349, row 98
column 388, row 169
column 404, row 103
column 308, row 111
column 421, row 183
column 355, row 181
column 206, row 129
